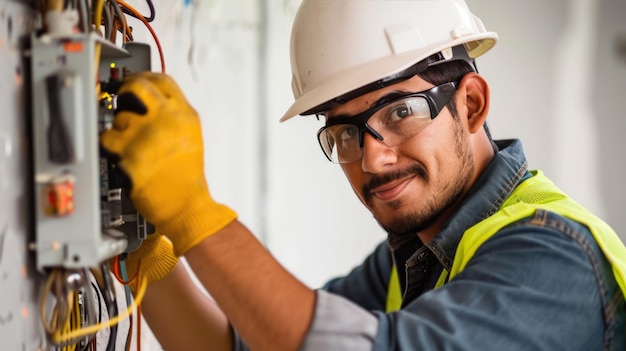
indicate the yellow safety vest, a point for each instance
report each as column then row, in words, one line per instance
column 537, row 192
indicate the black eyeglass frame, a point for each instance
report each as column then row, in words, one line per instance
column 437, row 97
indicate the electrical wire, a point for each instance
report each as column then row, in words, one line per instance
column 113, row 321
column 108, row 23
column 138, row 327
column 91, row 344
column 56, row 327
column 121, row 21
column 124, row 273
column 97, row 290
column 97, row 17
column 124, row 5
column 117, row 272
column 97, row 20
column 111, row 300
column 64, row 286
column 121, row 274
column 140, row 16
column 55, row 5
column 83, row 9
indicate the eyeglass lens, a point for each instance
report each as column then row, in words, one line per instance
column 392, row 122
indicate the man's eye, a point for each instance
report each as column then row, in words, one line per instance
column 413, row 107
column 399, row 112
column 347, row 132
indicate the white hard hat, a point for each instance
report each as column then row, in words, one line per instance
column 338, row 46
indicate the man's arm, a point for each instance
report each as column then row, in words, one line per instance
column 268, row 307
column 158, row 137
column 182, row 317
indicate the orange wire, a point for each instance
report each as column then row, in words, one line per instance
column 147, row 24
column 138, row 334
column 138, row 320
column 116, row 268
column 116, row 272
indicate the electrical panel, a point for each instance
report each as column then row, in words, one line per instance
column 83, row 212
column 76, row 55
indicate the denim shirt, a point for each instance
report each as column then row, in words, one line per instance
column 538, row 284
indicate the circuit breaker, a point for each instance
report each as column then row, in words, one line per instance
column 83, row 214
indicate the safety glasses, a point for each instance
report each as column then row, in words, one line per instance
column 391, row 122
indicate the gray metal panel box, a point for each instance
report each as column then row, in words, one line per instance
column 66, row 150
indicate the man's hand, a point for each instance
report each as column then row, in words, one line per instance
column 157, row 135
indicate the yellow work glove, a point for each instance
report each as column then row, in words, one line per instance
column 152, row 260
column 157, row 135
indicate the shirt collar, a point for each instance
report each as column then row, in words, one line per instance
column 507, row 169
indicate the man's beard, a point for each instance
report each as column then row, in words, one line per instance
column 408, row 225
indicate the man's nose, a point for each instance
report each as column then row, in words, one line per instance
column 376, row 155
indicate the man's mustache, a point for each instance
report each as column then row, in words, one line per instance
column 383, row 179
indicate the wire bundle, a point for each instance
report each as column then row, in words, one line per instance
column 67, row 313
column 107, row 18
column 71, row 320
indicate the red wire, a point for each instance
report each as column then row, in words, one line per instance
column 147, row 24
column 138, row 319
column 116, row 269
column 116, row 272
column 138, row 336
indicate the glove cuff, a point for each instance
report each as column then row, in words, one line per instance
column 196, row 222
column 153, row 260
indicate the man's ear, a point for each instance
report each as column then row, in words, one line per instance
column 476, row 99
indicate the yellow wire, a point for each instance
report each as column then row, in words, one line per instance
column 67, row 322
column 42, row 304
column 77, row 320
column 55, row 5
column 97, row 17
column 63, row 313
column 111, row 322
column 60, row 327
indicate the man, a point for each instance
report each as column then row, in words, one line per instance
column 482, row 254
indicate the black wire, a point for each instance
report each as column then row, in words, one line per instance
column 109, row 298
column 90, row 342
column 97, row 289
column 150, row 6
column 129, row 336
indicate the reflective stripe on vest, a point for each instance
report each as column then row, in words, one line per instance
column 535, row 193
column 394, row 293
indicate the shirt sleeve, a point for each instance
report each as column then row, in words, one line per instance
column 530, row 287
column 366, row 285
column 339, row 324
